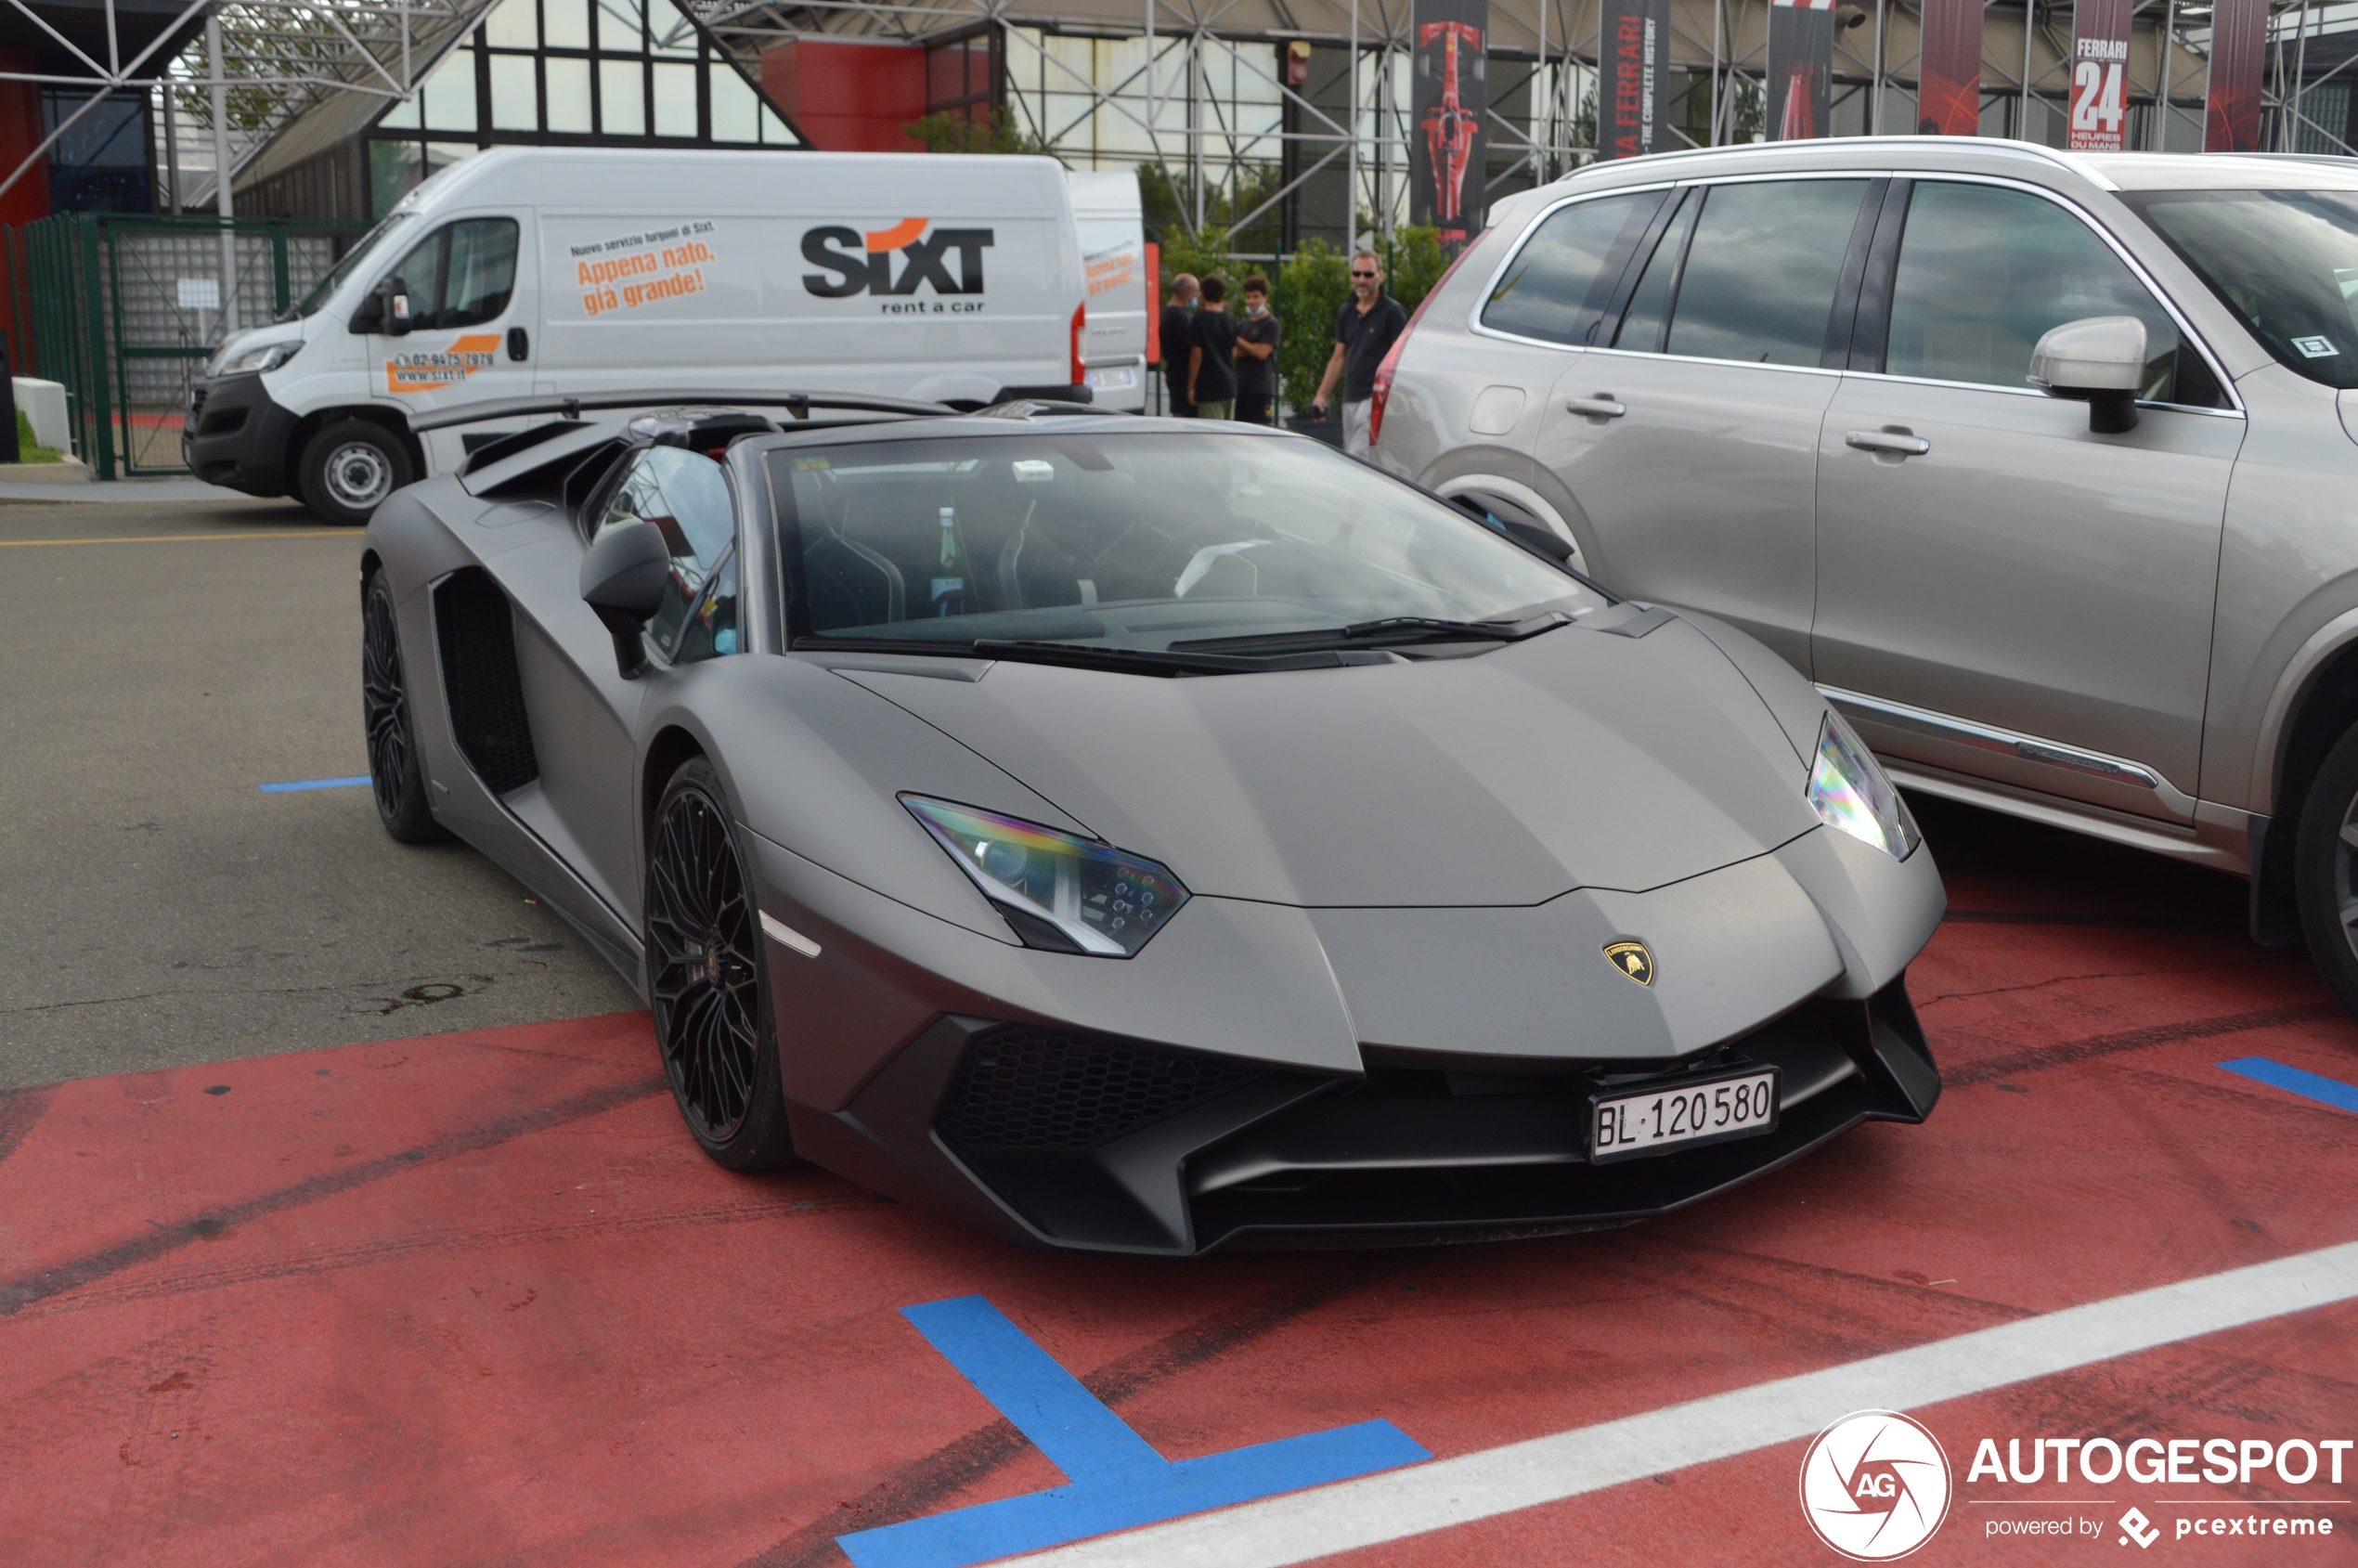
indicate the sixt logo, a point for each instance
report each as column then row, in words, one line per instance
column 869, row 269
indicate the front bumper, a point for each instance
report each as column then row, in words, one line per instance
column 235, row 434
column 1099, row 1144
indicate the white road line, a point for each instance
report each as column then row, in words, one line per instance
column 1326, row 1520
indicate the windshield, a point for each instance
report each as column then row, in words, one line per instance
column 2286, row 261
column 1158, row 540
column 371, row 244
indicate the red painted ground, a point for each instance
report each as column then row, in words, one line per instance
column 476, row 1299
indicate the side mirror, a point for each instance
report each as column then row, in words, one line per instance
column 391, row 298
column 2099, row 360
column 623, row 578
column 1541, row 540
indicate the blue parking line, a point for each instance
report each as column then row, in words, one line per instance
column 353, row 782
column 1117, row 1480
column 2277, row 1075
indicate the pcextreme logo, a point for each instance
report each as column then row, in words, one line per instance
column 429, row 370
column 1875, row 1485
column 925, row 258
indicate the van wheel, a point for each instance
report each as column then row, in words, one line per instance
column 2326, row 870
column 349, row 469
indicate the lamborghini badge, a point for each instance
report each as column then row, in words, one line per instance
column 1633, row 959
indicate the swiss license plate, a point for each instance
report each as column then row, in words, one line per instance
column 1114, row 377
column 1666, row 1119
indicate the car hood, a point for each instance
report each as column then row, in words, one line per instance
column 1579, row 758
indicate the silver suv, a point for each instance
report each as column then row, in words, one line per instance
column 2040, row 464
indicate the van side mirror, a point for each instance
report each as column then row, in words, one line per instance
column 388, row 309
column 2099, row 360
column 623, row 578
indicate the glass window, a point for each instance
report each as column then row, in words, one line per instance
column 712, row 622
column 568, row 93
column 686, row 497
column 515, row 97
column 421, row 274
column 2286, row 261
column 1761, row 272
column 1155, row 542
column 668, row 32
column 736, row 112
column 1984, row 272
column 449, row 95
column 622, row 27
column 1559, row 282
column 1649, row 309
column 404, row 116
column 565, row 24
column 774, row 132
column 480, row 272
column 675, row 100
column 513, row 25
column 373, row 244
column 622, row 98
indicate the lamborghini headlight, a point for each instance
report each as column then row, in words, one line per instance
column 1061, row 892
column 253, row 361
column 1851, row 795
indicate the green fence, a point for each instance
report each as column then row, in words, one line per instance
column 104, row 295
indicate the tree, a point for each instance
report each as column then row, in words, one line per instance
column 953, row 131
column 1310, row 290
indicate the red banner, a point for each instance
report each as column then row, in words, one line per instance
column 2099, row 75
column 1949, row 93
column 1636, row 71
column 2239, row 49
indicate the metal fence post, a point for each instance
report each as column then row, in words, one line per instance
column 98, row 403
column 279, row 268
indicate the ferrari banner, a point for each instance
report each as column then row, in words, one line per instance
column 1949, row 95
column 1801, row 63
column 1636, row 52
column 2099, row 75
column 2238, row 47
column 1451, row 98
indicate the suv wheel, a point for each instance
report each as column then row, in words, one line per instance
column 2326, row 870
column 349, row 468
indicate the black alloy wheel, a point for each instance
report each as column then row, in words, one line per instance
column 394, row 774
column 706, row 979
column 2326, row 870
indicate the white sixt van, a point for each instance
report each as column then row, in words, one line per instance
column 1113, row 255
column 539, row 271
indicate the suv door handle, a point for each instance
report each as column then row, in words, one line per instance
column 1603, row 405
column 1891, row 439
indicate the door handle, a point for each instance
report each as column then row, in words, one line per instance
column 1604, row 406
column 519, row 343
column 1891, row 439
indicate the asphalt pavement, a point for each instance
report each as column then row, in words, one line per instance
column 158, row 663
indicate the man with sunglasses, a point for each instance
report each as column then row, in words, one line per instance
column 1365, row 328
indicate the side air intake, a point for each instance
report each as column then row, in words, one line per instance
column 477, row 635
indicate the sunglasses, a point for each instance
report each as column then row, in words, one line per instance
column 1356, row 273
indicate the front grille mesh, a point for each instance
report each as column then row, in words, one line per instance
column 1030, row 1088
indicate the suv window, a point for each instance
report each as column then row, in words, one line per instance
column 1760, row 274
column 461, row 275
column 1985, row 271
column 686, row 497
column 1560, row 281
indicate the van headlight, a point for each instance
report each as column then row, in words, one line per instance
column 253, row 361
column 1852, row 795
column 1059, row 892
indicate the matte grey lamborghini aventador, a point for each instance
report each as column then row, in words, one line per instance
column 1140, row 835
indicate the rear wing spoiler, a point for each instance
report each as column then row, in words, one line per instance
column 571, row 406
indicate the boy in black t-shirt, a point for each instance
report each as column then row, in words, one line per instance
column 1211, row 364
column 1258, row 335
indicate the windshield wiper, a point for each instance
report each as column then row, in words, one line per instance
column 1393, row 629
column 1145, row 661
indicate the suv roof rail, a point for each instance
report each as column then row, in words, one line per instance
column 571, row 405
column 2071, row 162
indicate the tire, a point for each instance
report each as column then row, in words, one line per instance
column 707, row 981
column 395, row 775
column 349, row 468
column 2326, row 870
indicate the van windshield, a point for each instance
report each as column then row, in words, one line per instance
column 371, row 244
column 2286, row 261
column 1153, row 543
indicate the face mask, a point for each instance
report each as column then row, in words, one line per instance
column 1255, row 309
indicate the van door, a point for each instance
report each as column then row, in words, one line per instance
column 475, row 319
column 1690, row 438
column 2023, row 600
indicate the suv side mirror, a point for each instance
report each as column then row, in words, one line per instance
column 623, row 578
column 2099, row 360
column 390, row 313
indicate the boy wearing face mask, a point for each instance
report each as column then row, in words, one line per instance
column 1257, row 337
